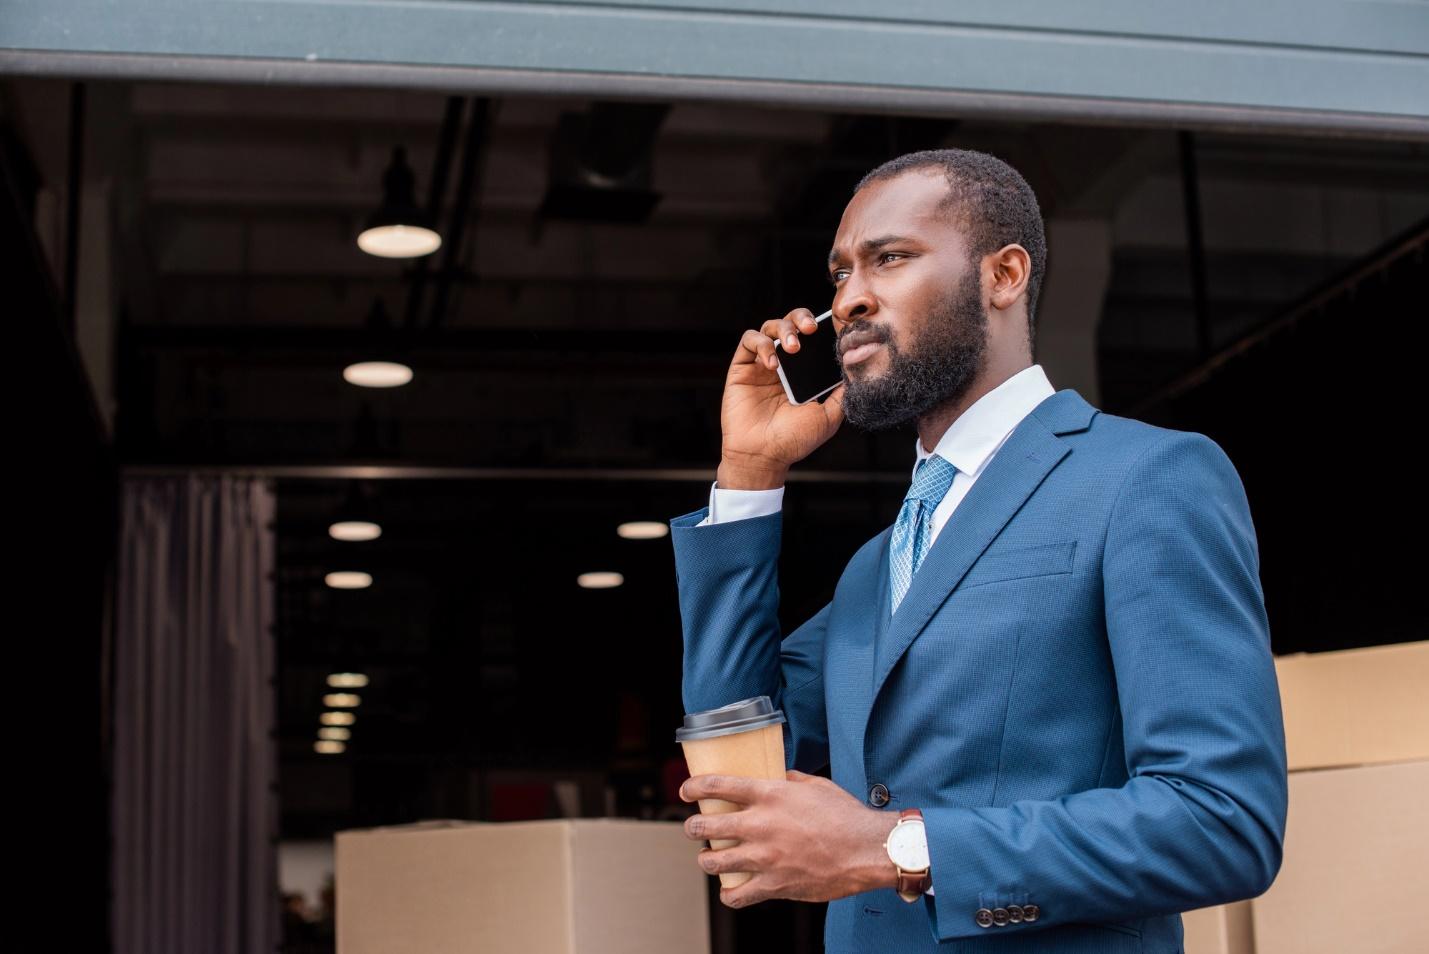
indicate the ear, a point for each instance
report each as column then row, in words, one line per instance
column 1011, row 268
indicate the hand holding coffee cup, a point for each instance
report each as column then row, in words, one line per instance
column 744, row 738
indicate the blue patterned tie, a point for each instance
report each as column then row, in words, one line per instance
column 915, row 523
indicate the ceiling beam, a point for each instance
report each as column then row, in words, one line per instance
column 353, row 471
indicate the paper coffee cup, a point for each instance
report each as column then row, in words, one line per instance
column 744, row 738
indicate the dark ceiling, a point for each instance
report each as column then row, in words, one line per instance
column 569, row 356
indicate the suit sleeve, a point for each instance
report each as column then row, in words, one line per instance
column 1201, row 819
column 728, row 575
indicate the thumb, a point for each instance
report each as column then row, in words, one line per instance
column 834, row 407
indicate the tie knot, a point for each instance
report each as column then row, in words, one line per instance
column 931, row 480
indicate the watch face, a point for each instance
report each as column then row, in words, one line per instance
column 908, row 846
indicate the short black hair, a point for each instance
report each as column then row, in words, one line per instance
column 992, row 202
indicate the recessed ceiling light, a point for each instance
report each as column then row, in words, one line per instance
column 334, row 734
column 338, row 718
column 349, row 580
column 347, row 680
column 643, row 530
column 377, row 374
column 600, row 581
column 329, row 747
column 342, row 700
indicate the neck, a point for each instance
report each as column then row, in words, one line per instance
column 933, row 425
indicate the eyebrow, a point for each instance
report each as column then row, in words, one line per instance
column 870, row 246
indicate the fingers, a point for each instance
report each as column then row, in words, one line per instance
column 754, row 347
column 751, row 892
column 704, row 827
column 730, row 788
column 729, row 860
column 758, row 346
column 787, row 329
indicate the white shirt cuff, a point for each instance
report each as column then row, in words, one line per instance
column 727, row 506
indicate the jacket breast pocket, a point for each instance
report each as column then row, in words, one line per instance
column 1017, row 563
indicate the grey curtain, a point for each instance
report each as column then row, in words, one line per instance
column 195, row 809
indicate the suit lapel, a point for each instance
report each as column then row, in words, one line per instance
column 1014, row 473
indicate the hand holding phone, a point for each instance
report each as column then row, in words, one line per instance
column 769, row 419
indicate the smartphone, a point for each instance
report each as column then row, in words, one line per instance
column 812, row 371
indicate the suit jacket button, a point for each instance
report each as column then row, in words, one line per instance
column 984, row 917
column 1000, row 917
column 1014, row 913
column 1030, row 912
column 878, row 795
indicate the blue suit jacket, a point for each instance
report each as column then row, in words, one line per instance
column 1077, row 690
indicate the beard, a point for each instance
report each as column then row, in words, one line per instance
column 939, row 367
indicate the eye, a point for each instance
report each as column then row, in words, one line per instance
column 838, row 275
column 886, row 256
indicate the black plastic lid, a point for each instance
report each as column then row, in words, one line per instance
column 741, row 716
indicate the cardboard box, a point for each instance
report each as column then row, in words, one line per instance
column 597, row 886
column 1224, row 929
column 1355, row 706
column 1353, row 874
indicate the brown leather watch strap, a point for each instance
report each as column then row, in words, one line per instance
column 914, row 885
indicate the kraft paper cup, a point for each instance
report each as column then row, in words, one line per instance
column 745, row 738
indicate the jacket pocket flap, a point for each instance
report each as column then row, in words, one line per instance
column 1019, row 562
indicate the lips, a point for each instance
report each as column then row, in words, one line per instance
column 854, row 355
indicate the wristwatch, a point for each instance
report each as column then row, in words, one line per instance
column 907, row 848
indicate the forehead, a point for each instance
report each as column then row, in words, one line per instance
column 908, row 205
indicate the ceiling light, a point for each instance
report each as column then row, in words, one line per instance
column 338, row 718
column 357, row 518
column 347, row 680
column 399, row 241
column 342, row 700
column 399, row 228
column 328, row 747
column 381, row 361
column 600, row 581
column 354, row 531
column 377, row 374
column 348, row 580
column 643, row 530
column 334, row 734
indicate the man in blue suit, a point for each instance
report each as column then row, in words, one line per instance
column 1045, row 695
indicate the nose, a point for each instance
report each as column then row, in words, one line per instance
column 853, row 302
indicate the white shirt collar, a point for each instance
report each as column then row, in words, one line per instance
column 980, row 430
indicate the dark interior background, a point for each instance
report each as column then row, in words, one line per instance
column 569, row 349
